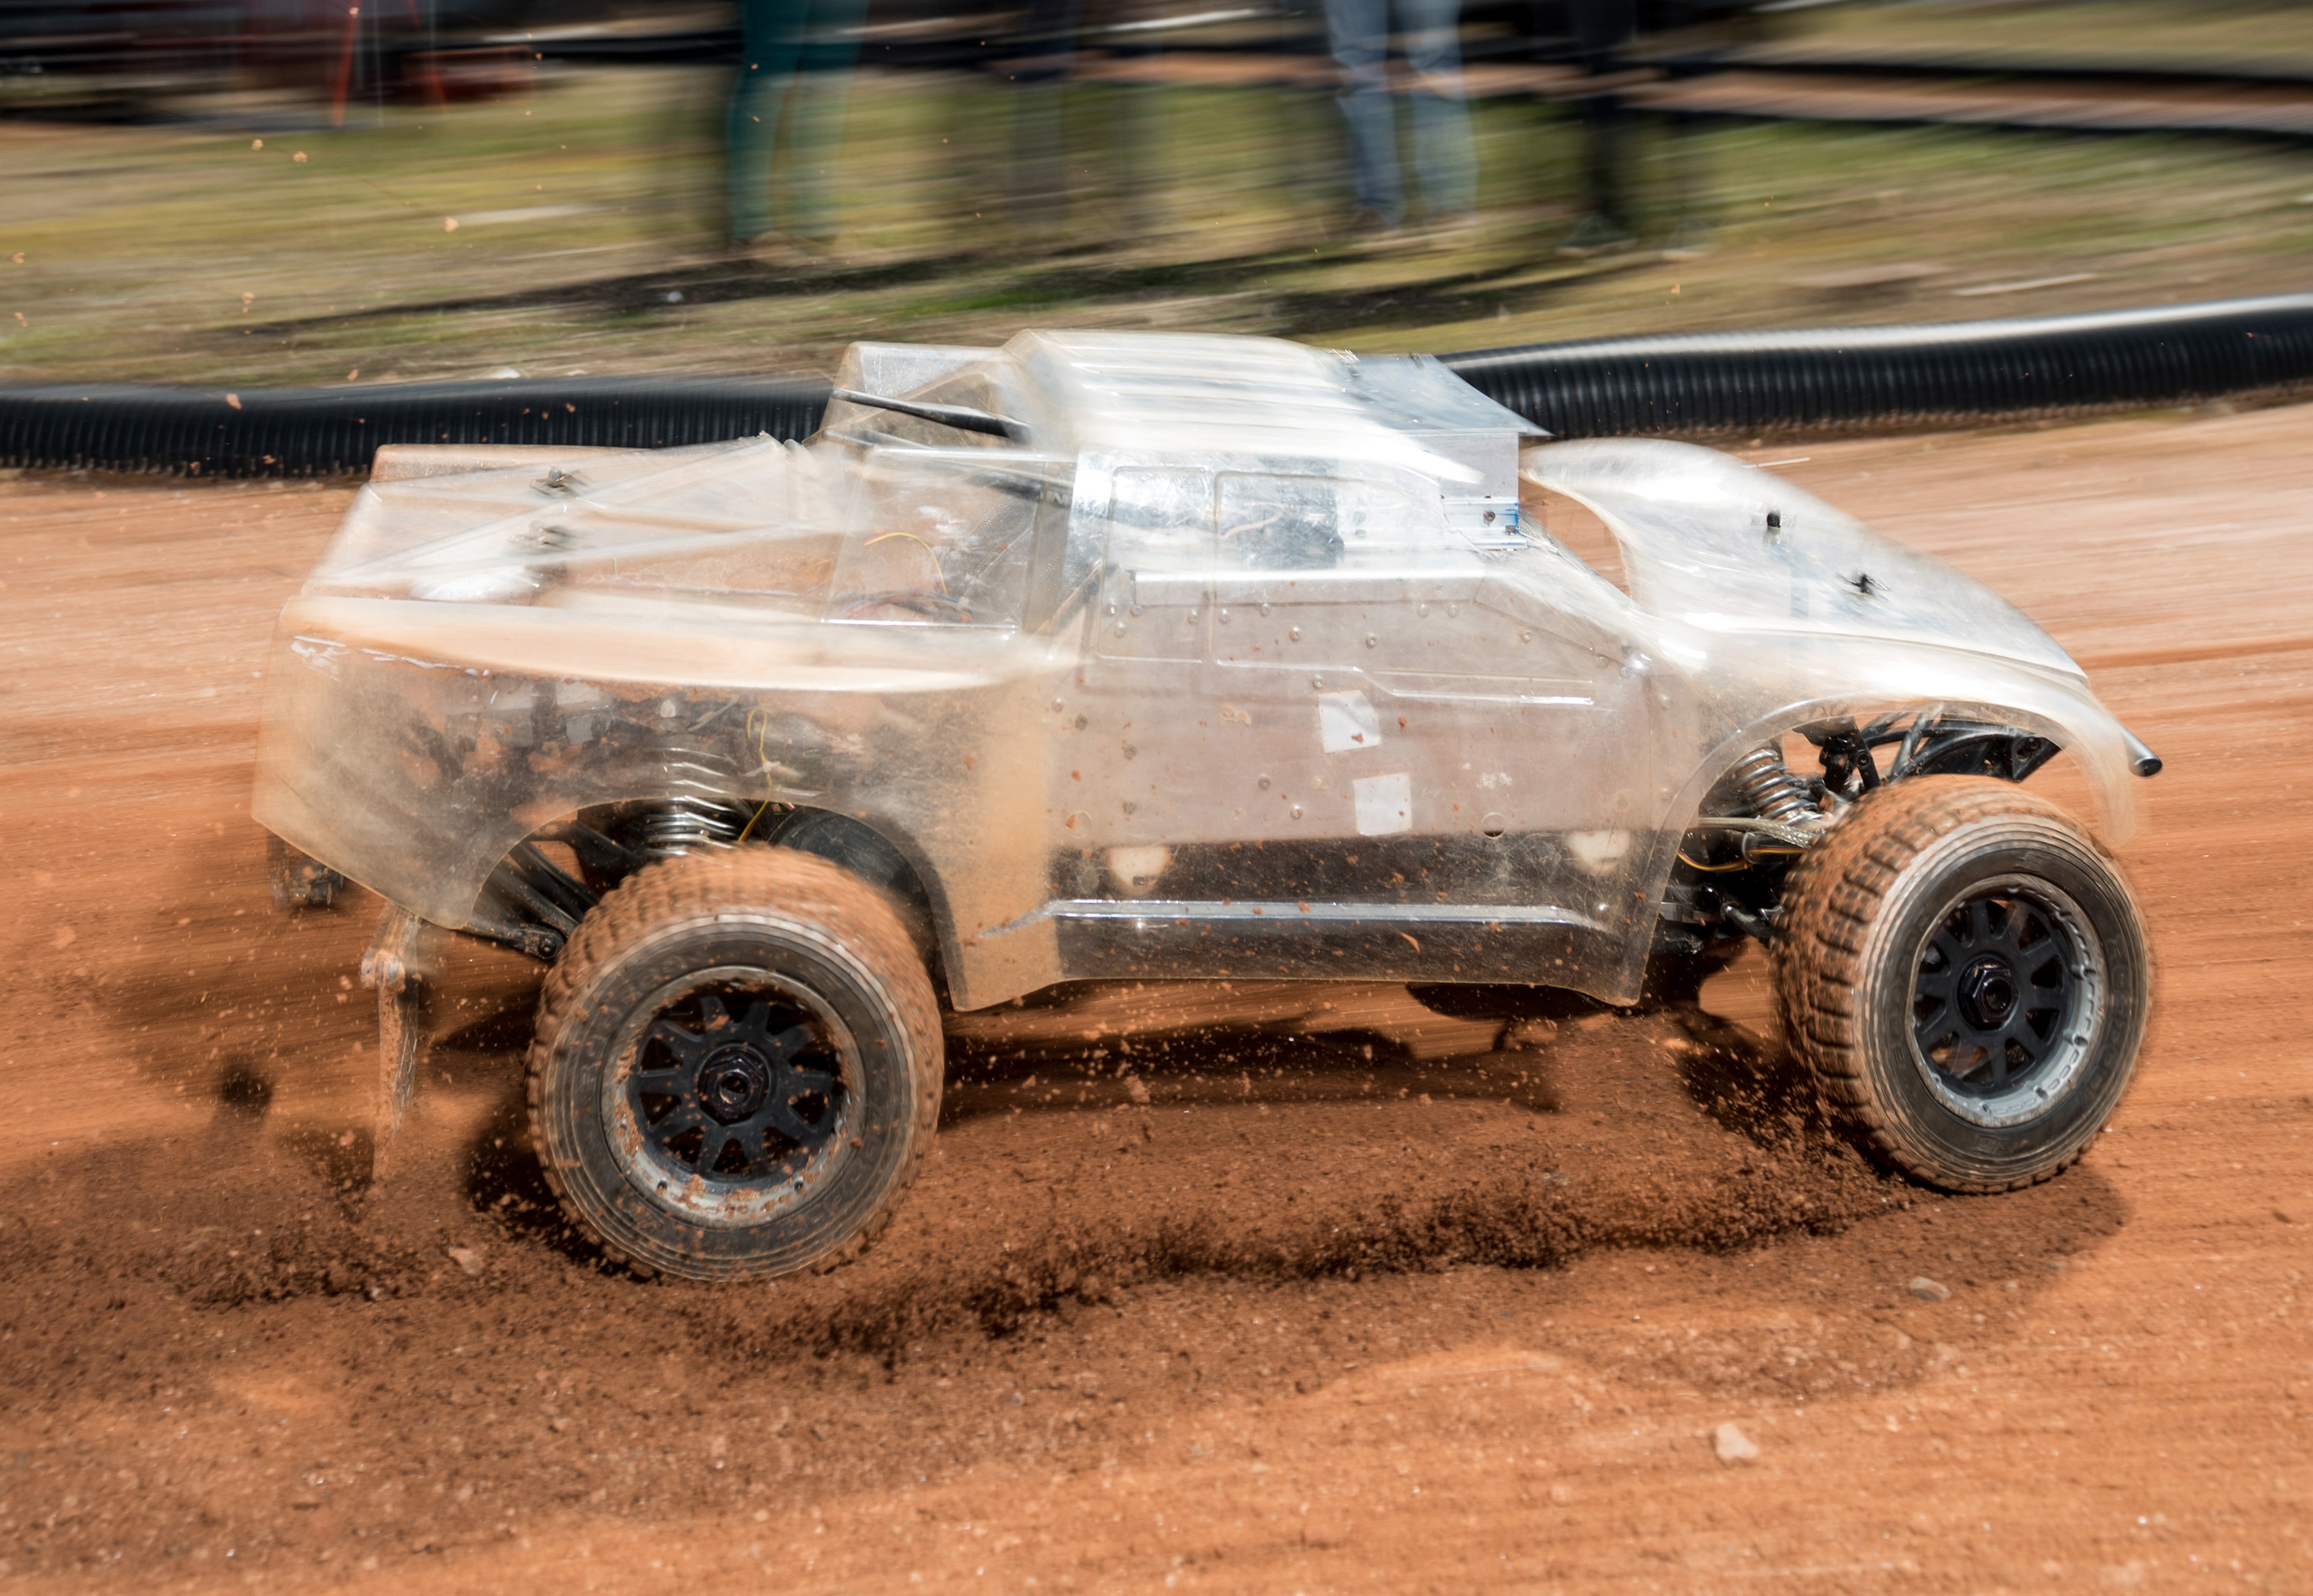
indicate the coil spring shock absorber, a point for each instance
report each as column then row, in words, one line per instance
column 1774, row 792
column 686, row 824
column 700, row 811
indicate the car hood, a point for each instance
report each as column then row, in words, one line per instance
column 1780, row 610
column 1711, row 543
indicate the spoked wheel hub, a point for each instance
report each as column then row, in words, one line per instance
column 1987, row 992
column 737, row 1089
column 2004, row 999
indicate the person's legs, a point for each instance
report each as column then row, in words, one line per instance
column 830, row 43
column 1360, row 31
column 770, row 36
column 1603, row 29
column 1040, row 168
column 1443, row 153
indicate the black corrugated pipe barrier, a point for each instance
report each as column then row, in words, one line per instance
column 1785, row 381
column 327, row 431
column 1696, row 383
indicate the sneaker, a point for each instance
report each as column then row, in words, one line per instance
column 1691, row 238
column 1595, row 234
column 1453, row 231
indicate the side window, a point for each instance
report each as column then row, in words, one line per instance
column 1279, row 523
column 1159, row 566
column 1309, row 523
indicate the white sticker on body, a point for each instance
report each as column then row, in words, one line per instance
column 1385, row 804
column 1347, row 720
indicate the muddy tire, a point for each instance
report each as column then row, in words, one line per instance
column 1964, row 972
column 738, row 1065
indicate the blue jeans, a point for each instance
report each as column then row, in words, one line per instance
column 804, row 45
column 1443, row 160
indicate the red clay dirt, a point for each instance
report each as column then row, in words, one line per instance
column 1258, row 1288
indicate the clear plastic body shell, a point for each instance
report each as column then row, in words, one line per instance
column 1219, row 658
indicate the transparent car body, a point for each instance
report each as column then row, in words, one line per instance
column 1202, row 657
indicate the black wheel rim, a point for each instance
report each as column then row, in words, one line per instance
column 738, row 1086
column 2002, row 993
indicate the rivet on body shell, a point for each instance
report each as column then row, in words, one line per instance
column 1264, row 609
column 1294, row 632
column 1222, row 617
column 1372, row 640
column 1453, row 609
column 1120, row 629
column 1297, row 811
column 1262, row 782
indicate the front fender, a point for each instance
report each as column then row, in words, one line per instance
column 2041, row 703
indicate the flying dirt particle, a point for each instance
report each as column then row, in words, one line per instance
column 1134, row 1086
column 1928, row 1290
column 469, row 1259
column 299, row 157
column 449, row 223
column 2283, row 1215
column 1526, row 1035
column 1732, row 1446
column 256, row 144
column 233, row 399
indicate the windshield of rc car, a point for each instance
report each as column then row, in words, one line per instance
column 936, row 537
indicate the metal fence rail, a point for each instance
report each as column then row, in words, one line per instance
column 1691, row 383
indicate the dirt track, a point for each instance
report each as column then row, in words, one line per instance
column 1313, row 1298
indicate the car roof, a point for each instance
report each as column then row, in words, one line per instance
column 1194, row 396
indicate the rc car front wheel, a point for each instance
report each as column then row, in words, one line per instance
column 1964, row 973
column 738, row 1064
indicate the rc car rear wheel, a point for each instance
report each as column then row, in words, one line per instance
column 1964, row 973
column 738, row 1065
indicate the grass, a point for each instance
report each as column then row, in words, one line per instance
column 588, row 234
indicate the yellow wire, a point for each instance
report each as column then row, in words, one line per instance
column 1743, row 864
column 937, row 576
column 758, row 724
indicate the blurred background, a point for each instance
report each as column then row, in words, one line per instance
column 265, row 191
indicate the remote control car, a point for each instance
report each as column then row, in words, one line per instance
column 1105, row 655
